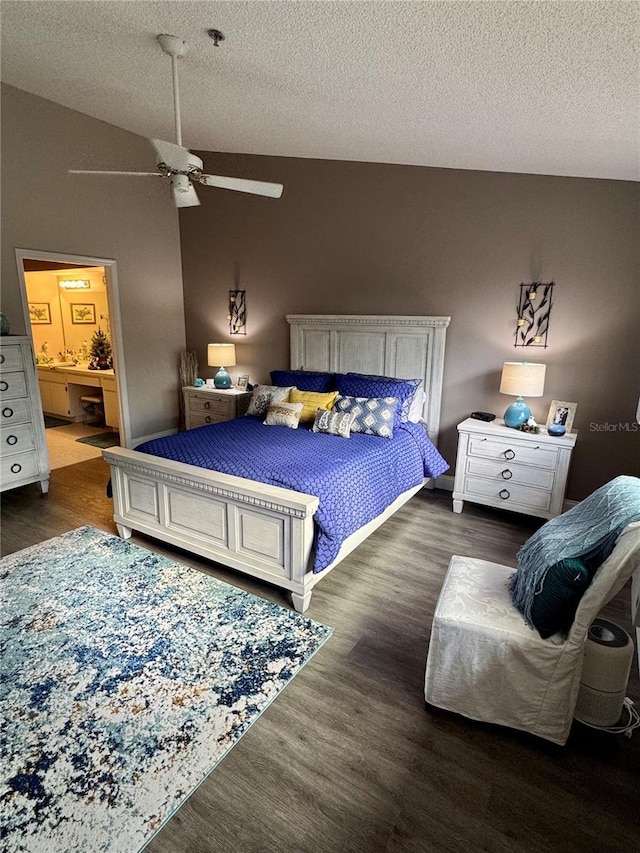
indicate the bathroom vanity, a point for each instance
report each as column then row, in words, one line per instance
column 62, row 387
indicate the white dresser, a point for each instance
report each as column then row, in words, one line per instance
column 510, row 469
column 23, row 448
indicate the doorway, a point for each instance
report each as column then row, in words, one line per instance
column 72, row 314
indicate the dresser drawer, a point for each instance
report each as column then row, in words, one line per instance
column 508, row 472
column 225, row 407
column 16, row 439
column 10, row 357
column 18, row 466
column 12, row 385
column 14, row 411
column 511, row 495
column 516, row 451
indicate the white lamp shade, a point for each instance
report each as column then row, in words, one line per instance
column 522, row 379
column 221, row 355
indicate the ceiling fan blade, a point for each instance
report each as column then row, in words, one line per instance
column 175, row 156
column 242, row 185
column 96, row 172
column 184, row 197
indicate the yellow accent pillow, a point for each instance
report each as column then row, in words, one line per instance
column 312, row 400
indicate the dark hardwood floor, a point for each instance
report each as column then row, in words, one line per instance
column 347, row 758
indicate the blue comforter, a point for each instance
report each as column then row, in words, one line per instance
column 355, row 478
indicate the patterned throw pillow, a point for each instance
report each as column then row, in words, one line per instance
column 283, row 414
column 312, row 402
column 361, row 385
column 372, row 415
column 264, row 395
column 304, row 380
column 333, row 423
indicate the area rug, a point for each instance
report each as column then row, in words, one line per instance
column 50, row 422
column 102, row 439
column 127, row 678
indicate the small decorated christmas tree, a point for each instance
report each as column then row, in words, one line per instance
column 101, row 352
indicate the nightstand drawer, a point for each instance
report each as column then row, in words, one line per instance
column 516, row 451
column 512, row 496
column 507, row 472
column 12, row 385
column 210, row 405
column 198, row 419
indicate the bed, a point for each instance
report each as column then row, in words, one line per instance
column 259, row 528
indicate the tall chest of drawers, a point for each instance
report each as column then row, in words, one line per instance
column 509, row 469
column 23, row 447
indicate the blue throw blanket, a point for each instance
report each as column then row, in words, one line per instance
column 588, row 531
column 355, row 478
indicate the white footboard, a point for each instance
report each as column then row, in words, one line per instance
column 264, row 531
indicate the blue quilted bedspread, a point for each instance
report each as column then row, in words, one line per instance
column 355, row 478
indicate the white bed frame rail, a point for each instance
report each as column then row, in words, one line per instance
column 266, row 531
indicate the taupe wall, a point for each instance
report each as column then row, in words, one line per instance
column 131, row 220
column 370, row 238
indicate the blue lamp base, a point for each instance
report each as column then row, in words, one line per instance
column 517, row 414
column 222, row 379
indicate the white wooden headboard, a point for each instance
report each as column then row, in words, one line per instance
column 404, row 347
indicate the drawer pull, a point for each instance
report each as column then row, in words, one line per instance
column 16, row 468
column 507, row 452
column 4, row 386
column 506, row 474
column 1, row 358
column 505, row 494
column 7, row 412
column 12, row 439
column 206, row 405
column 207, row 420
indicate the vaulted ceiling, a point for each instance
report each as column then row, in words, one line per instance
column 538, row 87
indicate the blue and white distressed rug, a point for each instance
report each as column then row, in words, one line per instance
column 126, row 677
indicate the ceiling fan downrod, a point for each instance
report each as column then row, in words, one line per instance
column 175, row 47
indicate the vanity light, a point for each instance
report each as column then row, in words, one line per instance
column 74, row 283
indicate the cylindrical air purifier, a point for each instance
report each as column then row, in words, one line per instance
column 608, row 652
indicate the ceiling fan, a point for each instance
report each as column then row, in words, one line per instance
column 183, row 168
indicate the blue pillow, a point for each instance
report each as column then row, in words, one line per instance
column 371, row 415
column 304, row 380
column 555, row 604
column 361, row 385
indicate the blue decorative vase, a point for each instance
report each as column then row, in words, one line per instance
column 556, row 429
column 5, row 325
column 517, row 414
column 222, row 379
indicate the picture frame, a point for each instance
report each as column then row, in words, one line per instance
column 83, row 313
column 242, row 382
column 563, row 413
column 39, row 313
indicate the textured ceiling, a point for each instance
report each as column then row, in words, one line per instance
column 540, row 87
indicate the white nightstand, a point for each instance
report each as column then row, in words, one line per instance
column 206, row 405
column 506, row 468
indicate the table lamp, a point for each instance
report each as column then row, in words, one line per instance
column 221, row 356
column 520, row 379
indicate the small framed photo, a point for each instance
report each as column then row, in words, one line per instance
column 39, row 313
column 242, row 382
column 562, row 413
column 83, row 312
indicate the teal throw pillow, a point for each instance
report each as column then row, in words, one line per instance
column 554, row 607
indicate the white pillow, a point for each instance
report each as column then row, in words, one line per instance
column 264, row 395
column 284, row 414
column 417, row 405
